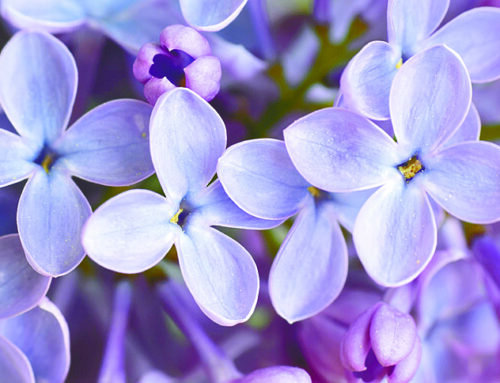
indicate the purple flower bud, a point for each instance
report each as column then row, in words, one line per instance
column 382, row 341
column 182, row 59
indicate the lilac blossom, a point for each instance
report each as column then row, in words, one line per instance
column 339, row 151
column 366, row 81
column 109, row 145
column 183, row 58
column 311, row 266
column 133, row 231
column 34, row 338
column 131, row 23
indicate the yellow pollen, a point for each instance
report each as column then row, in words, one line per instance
column 314, row 192
column 144, row 135
column 399, row 64
column 411, row 168
column 47, row 162
column 175, row 218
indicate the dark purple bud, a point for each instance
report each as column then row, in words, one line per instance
column 182, row 59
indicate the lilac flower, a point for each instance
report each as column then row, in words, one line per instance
column 133, row 231
column 34, row 341
column 395, row 231
column 382, row 341
column 109, row 145
column 131, row 23
column 183, row 58
column 311, row 266
column 366, row 81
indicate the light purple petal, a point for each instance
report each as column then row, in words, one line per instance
column 185, row 39
column 187, row 138
column 50, row 15
column 410, row 21
column 311, row 266
column 260, row 178
column 469, row 130
column 430, row 98
column 347, row 206
column 110, row 144
column 465, row 180
column 340, row 151
column 474, row 36
column 14, row 365
column 155, row 376
column 366, row 81
column 37, row 98
column 136, row 25
column 51, row 213
column 356, row 344
column 21, row 288
column 42, row 334
column 220, row 274
column 407, row 368
column 395, row 233
column 214, row 207
column 203, row 76
column 211, row 15
column 277, row 374
column 392, row 335
column 131, row 232
column 15, row 158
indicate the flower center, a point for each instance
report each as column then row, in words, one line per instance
column 46, row 158
column 411, row 168
column 180, row 217
column 171, row 65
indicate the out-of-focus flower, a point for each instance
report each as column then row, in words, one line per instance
column 109, row 145
column 339, row 151
column 182, row 59
column 133, row 231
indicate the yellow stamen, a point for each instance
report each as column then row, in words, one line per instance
column 175, row 218
column 411, row 168
column 314, row 192
column 399, row 64
column 47, row 162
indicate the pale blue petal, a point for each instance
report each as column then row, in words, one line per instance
column 474, row 36
column 339, row 151
column 187, row 138
column 395, row 233
column 51, row 213
column 37, row 85
column 140, row 23
column 465, row 180
column 131, row 232
column 14, row 365
column 220, row 274
column 366, row 81
column 211, row 15
column 311, row 266
column 430, row 98
column 214, row 207
column 469, row 130
column 50, row 15
column 42, row 334
column 109, row 145
column 260, row 178
column 410, row 21
column 21, row 288
column 16, row 157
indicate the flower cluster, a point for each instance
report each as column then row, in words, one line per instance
column 302, row 196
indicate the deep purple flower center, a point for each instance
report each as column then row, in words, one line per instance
column 374, row 370
column 171, row 65
column 411, row 168
column 180, row 218
column 46, row 158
